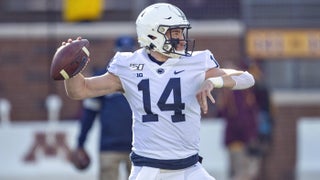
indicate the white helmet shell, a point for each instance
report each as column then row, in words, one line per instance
column 152, row 24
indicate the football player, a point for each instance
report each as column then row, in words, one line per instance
column 166, row 85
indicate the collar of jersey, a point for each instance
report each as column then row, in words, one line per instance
column 155, row 60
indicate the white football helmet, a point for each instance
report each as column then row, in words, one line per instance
column 153, row 23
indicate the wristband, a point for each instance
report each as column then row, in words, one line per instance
column 217, row 81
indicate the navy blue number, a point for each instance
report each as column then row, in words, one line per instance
column 144, row 87
column 177, row 106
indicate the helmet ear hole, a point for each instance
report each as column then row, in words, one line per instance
column 152, row 37
column 152, row 46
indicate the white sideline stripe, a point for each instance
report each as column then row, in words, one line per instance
column 296, row 97
column 109, row 29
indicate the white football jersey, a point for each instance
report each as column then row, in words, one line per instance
column 166, row 114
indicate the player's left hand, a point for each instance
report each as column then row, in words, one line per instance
column 203, row 93
column 80, row 158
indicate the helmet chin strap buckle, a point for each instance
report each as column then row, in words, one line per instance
column 152, row 46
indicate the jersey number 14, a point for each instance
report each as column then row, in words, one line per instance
column 177, row 106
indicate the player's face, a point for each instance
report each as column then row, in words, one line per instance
column 177, row 35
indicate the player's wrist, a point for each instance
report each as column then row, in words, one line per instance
column 217, row 81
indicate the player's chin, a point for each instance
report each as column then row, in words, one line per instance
column 180, row 48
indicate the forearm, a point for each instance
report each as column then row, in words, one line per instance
column 75, row 87
column 234, row 80
column 80, row 87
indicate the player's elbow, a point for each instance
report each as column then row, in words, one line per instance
column 251, row 80
column 243, row 81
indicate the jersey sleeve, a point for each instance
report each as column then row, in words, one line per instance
column 211, row 62
column 119, row 61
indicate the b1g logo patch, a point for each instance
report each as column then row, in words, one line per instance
column 139, row 74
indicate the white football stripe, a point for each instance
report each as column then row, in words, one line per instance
column 85, row 50
column 64, row 74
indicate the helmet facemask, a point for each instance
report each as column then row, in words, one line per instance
column 171, row 44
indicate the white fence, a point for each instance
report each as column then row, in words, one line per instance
column 18, row 139
column 308, row 149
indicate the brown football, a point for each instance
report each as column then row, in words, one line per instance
column 70, row 59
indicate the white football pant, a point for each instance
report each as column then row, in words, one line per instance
column 195, row 172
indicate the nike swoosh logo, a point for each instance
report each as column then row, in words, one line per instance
column 177, row 72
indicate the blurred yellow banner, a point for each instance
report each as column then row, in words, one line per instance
column 283, row 43
column 82, row 10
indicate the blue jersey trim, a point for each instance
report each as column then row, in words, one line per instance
column 174, row 164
